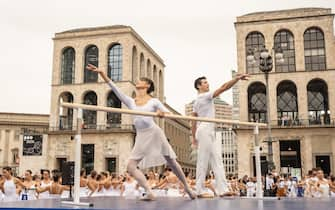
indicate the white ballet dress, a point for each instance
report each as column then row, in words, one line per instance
column 130, row 190
column 151, row 145
column 10, row 191
column 46, row 194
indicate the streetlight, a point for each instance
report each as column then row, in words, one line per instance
column 266, row 65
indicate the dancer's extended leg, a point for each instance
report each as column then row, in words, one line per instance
column 180, row 174
column 139, row 177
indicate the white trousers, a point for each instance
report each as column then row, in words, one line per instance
column 209, row 153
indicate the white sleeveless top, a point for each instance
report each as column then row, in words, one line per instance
column 324, row 190
column 31, row 193
column 10, row 191
column 45, row 194
column 113, row 191
column 130, row 189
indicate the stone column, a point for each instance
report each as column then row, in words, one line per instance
column 302, row 102
column 79, row 64
column 307, row 154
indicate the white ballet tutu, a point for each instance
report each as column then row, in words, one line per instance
column 171, row 192
column 151, row 145
column 113, row 192
column 84, row 191
column 159, row 192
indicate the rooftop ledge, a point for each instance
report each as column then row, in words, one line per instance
column 284, row 14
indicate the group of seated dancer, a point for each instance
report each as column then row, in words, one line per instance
column 165, row 184
column 32, row 187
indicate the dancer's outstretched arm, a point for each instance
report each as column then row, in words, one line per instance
column 231, row 83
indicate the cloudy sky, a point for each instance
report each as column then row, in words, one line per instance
column 193, row 37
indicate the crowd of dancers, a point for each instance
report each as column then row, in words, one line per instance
column 48, row 185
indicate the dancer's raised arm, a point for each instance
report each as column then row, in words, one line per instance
column 229, row 84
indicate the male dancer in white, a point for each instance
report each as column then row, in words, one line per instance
column 209, row 148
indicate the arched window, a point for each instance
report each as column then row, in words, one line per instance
column 89, row 116
column 314, row 44
column 254, row 42
column 91, row 57
column 142, row 66
column 318, row 107
column 149, row 69
column 65, row 114
column 287, row 105
column 257, row 102
column 68, row 64
column 134, row 65
column 113, row 119
column 161, row 85
column 155, row 79
column 115, row 62
column 285, row 40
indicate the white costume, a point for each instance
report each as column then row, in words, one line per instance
column 324, row 189
column 291, row 187
column 251, row 189
column 84, row 191
column 151, row 145
column 173, row 190
column 99, row 192
column 130, row 189
column 45, row 194
column 10, row 191
column 111, row 191
column 209, row 148
column 30, row 192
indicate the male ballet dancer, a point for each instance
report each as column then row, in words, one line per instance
column 203, row 133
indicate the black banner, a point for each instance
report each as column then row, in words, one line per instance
column 32, row 145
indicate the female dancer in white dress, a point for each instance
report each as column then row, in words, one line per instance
column 129, row 187
column 55, row 189
column 93, row 184
column 83, row 184
column 8, row 185
column 101, row 179
column 113, row 186
column 151, row 146
column 30, row 189
column 291, row 187
column 46, row 181
column 171, row 184
column 153, row 182
column 323, row 185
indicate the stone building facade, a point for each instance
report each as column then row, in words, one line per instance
column 301, row 89
column 107, row 138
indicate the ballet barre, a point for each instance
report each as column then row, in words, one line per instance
column 153, row 114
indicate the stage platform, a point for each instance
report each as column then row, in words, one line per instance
column 120, row 203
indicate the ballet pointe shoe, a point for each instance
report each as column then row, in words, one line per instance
column 191, row 194
column 148, row 197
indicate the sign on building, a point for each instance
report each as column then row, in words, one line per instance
column 32, row 145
